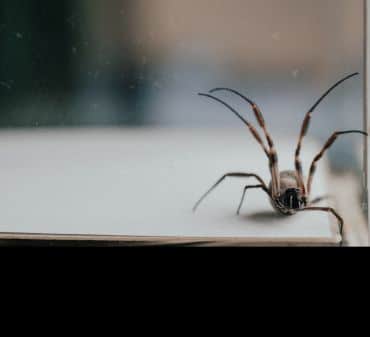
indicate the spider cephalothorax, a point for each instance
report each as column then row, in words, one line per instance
column 287, row 190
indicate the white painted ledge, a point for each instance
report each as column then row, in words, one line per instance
column 140, row 184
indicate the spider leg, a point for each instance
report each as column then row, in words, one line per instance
column 328, row 143
column 304, row 129
column 245, row 190
column 329, row 210
column 256, row 110
column 297, row 161
column 274, row 167
column 321, row 198
column 232, row 174
column 249, row 125
column 271, row 152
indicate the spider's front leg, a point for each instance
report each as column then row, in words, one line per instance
column 232, row 174
column 245, row 190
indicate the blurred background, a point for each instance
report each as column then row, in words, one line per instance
column 137, row 62
column 140, row 63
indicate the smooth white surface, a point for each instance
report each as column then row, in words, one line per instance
column 144, row 183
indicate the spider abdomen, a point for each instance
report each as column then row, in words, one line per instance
column 288, row 179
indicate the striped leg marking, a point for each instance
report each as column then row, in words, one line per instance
column 328, row 143
column 304, row 129
column 274, row 167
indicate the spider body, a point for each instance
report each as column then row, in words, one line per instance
column 288, row 191
column 291, row 198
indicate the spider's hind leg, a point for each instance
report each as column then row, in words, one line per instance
column 328, row 210
column 327, row 145
column 320, row 198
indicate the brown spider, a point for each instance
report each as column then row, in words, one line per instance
column 287, row 190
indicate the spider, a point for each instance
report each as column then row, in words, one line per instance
column 287, row 190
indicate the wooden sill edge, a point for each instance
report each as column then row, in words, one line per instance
column 119, row 240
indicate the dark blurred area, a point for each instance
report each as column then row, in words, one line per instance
column 55, row 54
column 133, row 63
column 35, row 59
